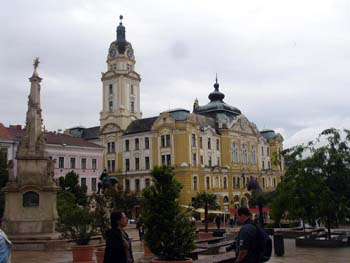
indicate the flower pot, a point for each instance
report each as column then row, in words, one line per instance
column 186, row 260
column 100, row 253
column 205, row 234
column 82, row 253
column 146, row 250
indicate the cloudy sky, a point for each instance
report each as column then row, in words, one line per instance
column 284, row 64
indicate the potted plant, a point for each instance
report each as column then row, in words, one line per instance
column 169, row 232
column 207, row 201
column 77, row 224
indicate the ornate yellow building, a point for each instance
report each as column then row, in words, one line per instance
column 214, row 148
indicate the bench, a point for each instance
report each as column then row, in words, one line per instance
column 228, row 257
column 214, row 248
column 210, row 240
column 194, row 253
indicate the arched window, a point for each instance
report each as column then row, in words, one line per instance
column 244, row 154
column 253, row 154
column 234, row 152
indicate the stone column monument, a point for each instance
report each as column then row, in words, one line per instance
column 30, row 198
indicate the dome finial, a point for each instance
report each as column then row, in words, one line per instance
column 121, row 19
column 216, row 85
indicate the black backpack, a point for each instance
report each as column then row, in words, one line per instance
column 264, row 244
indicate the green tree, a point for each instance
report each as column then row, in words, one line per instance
column 70, row 183
column 4, row 176
column 124, row 200
column 317, row 180
column 207, row 201
column 169, row 233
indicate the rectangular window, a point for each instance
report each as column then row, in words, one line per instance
column 217, row 144
column 83, row 163
column 132, row 89
column 193, row 141
column 137, row 164
column 202, row 160
column 168, row 159
column 111, row 147
column 137, row 185
column 146, row 143
column 209, row 144
column 147, row 162
column 218, row 161
column 137, row 144
column 234, row 182
column 126, row 145
column 268, row 151
column 207, row 182
column 110, row 89
column 209, row 161
column 111, row 165
column 127, row 165
column 132, row 107
column 94, row 164
column 83, row 181
column 110, row 106
column 61, row 162
column 93, row 184
column 195, row 183
column 72, row 163
column 162, row 141
column 127, row 185
column 262, row 150
column 194, row 160
column 168, row 140
column 225, row 183
column 263, row 165
column 201, row 142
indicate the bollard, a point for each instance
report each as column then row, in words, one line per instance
column 278, row 244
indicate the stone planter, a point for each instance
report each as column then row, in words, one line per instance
column 82, row 253
column 146, row 251
column 100, row 253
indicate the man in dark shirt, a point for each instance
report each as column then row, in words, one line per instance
column 247, row 238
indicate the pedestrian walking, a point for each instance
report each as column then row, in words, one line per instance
column 247, row 246
column 118, row 245
column 218, row 221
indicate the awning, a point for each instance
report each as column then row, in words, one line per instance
column 201, row 210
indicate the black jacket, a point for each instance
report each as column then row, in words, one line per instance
column 115, row 251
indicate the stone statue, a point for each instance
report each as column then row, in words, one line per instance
column 11, row 170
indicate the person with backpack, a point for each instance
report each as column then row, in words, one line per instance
column 253, row 244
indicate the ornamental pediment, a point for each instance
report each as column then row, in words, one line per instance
column 110, row 128
column 243, row 125
column 163, row 119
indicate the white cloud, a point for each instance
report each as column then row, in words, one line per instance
column 282, row 63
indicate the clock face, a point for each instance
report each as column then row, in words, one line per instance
column 112, row 52
column 129, row 53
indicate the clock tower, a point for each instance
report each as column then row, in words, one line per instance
column 120, row 86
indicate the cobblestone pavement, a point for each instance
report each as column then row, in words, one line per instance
column 292, row 254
